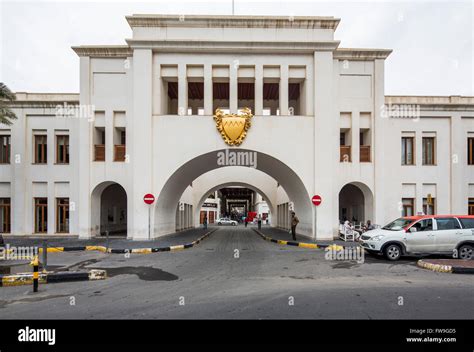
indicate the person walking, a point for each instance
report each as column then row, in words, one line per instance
column 246, row 222
column 294, row 222
column 259, row 221
column 204, row 222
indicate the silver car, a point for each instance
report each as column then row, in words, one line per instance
column 426, row 234
column 226, row 221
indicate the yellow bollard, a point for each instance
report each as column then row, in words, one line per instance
column 35, row 264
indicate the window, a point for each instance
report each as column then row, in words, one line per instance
column 119, row 149
column 447, row 224
column 470, row 206
column 408, row 205
column 407, row 151
column 428, row 151
column 62, row 215
column 342, row 138
column 62, row 149
column 41, row 215
column 5, row 219
column 99, row 144
column 429, row 206
column 41, row 149
column 467, row 223
column 4, row 149
column 470, row 151
column 424, row 225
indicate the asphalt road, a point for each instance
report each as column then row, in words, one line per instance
column 236, row 274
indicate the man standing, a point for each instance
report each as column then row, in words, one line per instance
column 204, row 222
column 294, row 222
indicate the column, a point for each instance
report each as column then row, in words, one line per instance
column 284, row 90
column 140, row 143
column 233, row 82
column 326, row 134
column 258, row 90
column 81, row 192
column 208, row 90
column 458, row 192
column 419, row 197
column 21, row 188
column 355, row 137
column 109, row 136
column 182, row 90
column 381, row 213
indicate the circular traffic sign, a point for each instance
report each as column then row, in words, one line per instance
column 316, row 199
column 149, row 198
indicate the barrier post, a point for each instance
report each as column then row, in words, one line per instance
column 35, row 273
column 45, row 254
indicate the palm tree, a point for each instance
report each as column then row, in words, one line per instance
column 6, row 96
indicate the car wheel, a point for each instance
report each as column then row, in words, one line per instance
column 466, row 251
column 393, row 252
column 234, row 224
column 219, row 223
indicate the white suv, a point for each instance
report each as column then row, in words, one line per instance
column 427, row 234
column 226, row 221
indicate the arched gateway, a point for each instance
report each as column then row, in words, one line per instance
column 187, row 173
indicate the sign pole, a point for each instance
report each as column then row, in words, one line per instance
column 315, row 222
column 149, row 199
column 316, row 200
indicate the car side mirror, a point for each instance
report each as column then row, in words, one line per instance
column 413, row 229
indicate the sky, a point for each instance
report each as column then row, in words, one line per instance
column 432, row 41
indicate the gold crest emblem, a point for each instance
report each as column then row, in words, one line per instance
column 232, row 127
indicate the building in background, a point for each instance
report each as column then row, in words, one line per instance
column 80, row 164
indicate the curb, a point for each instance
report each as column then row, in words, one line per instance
column 128, row 250
column 51, row 277
column 333, row 247
column 444, row 268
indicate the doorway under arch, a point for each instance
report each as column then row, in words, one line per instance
column 355, row 203
column 223, row 185
column 109, row 209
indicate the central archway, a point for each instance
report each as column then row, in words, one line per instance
column 184, row 176
column 240, row 184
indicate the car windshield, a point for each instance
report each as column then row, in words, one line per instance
column 398, row 224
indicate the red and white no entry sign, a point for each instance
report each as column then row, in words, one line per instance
column 149, row 198
column 316, row 200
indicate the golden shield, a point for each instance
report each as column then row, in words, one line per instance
column 232, row 127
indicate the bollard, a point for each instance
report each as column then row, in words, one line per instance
column 45, row 254
column 35, row 273
column 107, row 237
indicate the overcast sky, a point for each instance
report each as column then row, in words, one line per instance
column 432, row 41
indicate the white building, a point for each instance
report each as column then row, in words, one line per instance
column 144, row 124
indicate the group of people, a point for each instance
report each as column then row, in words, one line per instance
column 349, row 226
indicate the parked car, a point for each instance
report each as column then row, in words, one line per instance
column 226, row 221
column 426, row 234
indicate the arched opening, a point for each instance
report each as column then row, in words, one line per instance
column 355, row 203
column 183, row 177
column 233, row 184
column 109, row 210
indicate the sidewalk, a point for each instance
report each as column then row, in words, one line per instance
column 279, row 234
column 456, row 266
column 174, row 239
